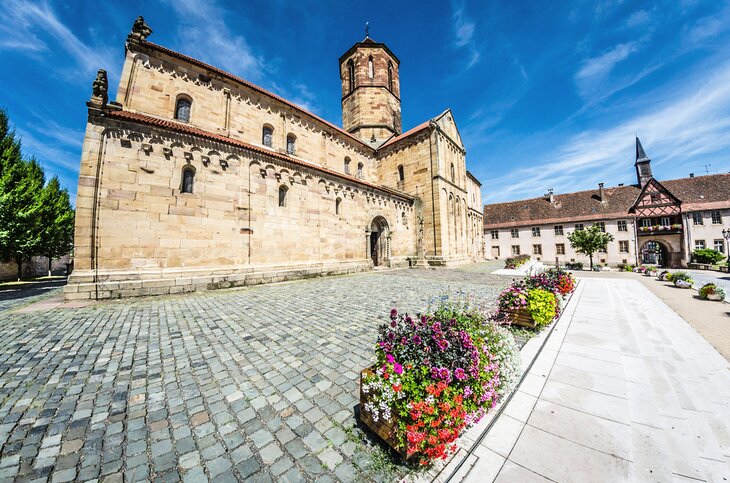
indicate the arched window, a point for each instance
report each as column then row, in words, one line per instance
column 390, row 76
column 182, row 109
column 267, row 136
column 351, row 75
column 282, row 195
column 359, row 170
column 347, row 165
column 291, row 144
column 188, row 176
column 371, row 69
column 453, row 173
column 401, row 173
column 338, row 202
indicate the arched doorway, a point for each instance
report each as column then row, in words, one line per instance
column 653, row 253
column 379, row 239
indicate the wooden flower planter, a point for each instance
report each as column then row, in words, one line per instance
column 386, row 430
column 522, row 317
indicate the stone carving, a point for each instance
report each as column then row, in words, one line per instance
column 140, row 29
column 100, row 89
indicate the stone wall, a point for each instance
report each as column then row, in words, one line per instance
column 152, row 82
column 229, row 230
column 37, row 267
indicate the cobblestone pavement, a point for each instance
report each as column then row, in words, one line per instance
column 257, row 383
column 12, row 296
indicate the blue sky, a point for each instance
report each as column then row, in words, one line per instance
column 546, row 94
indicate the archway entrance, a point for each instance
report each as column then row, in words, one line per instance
column 654, row 253
column 379, row 234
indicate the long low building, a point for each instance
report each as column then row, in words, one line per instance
column 654, row 222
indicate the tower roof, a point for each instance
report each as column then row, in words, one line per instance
column 640, row 154
column 368, row 43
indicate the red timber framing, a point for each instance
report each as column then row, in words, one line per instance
column 655, row 200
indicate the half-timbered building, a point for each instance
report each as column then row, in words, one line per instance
column 652, row 221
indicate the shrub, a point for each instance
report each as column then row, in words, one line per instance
column 707, row 289
column 437, row 374
column 625, row 267
column 681, row 276
column 574, row 265
column 542, row 306
column 707, row 255
column 517, row 261
column 669, row 277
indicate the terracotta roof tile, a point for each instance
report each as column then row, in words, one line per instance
column 700, row 192
column 406, row 134
column 188, row 129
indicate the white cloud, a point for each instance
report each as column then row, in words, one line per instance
column 638, row 19
column 464, row 28
column 696, row 123
column 205, row 35
column 34, row 27
column 599, row 67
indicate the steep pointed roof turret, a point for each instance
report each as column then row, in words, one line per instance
column 640, row 154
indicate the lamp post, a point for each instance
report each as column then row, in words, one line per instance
column 726, row 236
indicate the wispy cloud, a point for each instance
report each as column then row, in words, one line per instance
column 595, row 70
column 696, row 123
column 205, row 35
column 35, row 28
column 464, row 28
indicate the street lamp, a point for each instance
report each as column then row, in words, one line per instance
column 726, row 236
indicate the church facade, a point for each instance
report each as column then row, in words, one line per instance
column 652, row 221
column 195, row 179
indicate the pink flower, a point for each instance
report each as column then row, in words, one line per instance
column 393, row 313
column 459, row 373
column 390, row 358
column 397, row 368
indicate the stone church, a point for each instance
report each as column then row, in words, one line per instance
column 196, row 179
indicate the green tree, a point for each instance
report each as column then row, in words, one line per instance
column 589, row 241
column 21, row 182
column 57, row 222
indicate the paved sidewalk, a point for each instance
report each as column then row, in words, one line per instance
column 625, row 390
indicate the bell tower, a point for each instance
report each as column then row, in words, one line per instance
column 370, row 92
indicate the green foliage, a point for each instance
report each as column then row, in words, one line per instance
column 517, row 261
column 707, row 289
column 589, row 241
column 681, row 276
column 625, row 267
column 574, row 265
column 35, row 219
column 707, row 255
column 542, row 305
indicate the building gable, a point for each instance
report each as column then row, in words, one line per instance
column 445, row 122
column 655, row 200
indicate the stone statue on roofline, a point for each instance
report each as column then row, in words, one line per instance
column 140, row 29
column 99, row 90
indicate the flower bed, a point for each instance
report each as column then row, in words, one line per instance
column 436, row 375
column 710, row 291
column 516, row 262
column 534, row 301
column 681, row 279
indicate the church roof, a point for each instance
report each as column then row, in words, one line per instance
column 406, row 134
column 640, row 154
column 695, row 193
column 188, row 129
column 250, row 85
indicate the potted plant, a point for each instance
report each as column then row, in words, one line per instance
column 682, row 280
column 435, row 375
column 710, row 291
column 662, row 275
